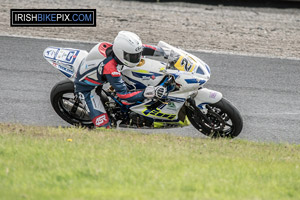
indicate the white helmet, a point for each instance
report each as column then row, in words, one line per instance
column 128, row 48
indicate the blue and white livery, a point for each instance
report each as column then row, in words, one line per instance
column 181, row 74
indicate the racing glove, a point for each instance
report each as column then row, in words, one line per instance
column 158, row 92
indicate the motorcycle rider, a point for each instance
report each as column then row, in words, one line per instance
column 101, row 65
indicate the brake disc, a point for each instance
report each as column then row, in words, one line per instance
column 217, row 123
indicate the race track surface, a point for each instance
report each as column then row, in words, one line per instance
column 265, row 90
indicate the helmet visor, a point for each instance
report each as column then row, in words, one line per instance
column 132, row 57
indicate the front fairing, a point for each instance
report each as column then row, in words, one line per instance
column 183, row 61
column 186, row 68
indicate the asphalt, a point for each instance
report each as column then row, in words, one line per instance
column 265, row 90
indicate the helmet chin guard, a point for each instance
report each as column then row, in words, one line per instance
column 128, row 48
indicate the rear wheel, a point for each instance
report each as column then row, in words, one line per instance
column 221, row 120
column 67, row 106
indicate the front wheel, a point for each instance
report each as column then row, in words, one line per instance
column 221, row 120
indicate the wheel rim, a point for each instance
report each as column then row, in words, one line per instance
column 221, row 124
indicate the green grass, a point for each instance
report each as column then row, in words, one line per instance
column 40, row 163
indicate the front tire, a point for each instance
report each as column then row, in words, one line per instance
column 221, row 120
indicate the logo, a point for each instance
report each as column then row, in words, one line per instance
column 53, row 17
column 115, row 74
column 212, row 95
column 171, row 106
column 101, row 120
column 156, row 112
column 138, row 49
column 145, row 78
column 51, row 53
column 131, row 42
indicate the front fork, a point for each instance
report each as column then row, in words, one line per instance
column 201, row 112
column 200, row 104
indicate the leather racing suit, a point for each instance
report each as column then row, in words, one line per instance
column 100, row 66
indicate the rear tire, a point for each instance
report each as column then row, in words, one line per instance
column 225, row 118
column 62, row 97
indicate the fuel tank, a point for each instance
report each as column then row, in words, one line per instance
column 148, row 72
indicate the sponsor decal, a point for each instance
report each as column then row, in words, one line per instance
column 101, row 120
column 70, row 55
column 66, row 70
column 115, row 74
column 145, row 78
column 131, row 42
column 144, row 73
column 51, row 52
column 177, row 99
column 67, row 56
column 53, row 17
column 60, row 55
column 212, row 95
column 171, row 106
column 156, row 112
column 138, row 49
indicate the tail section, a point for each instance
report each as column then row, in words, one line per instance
column 66, row 60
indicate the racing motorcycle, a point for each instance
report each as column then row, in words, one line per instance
column 182, row 74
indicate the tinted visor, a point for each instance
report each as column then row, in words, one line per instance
column 133, row 58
